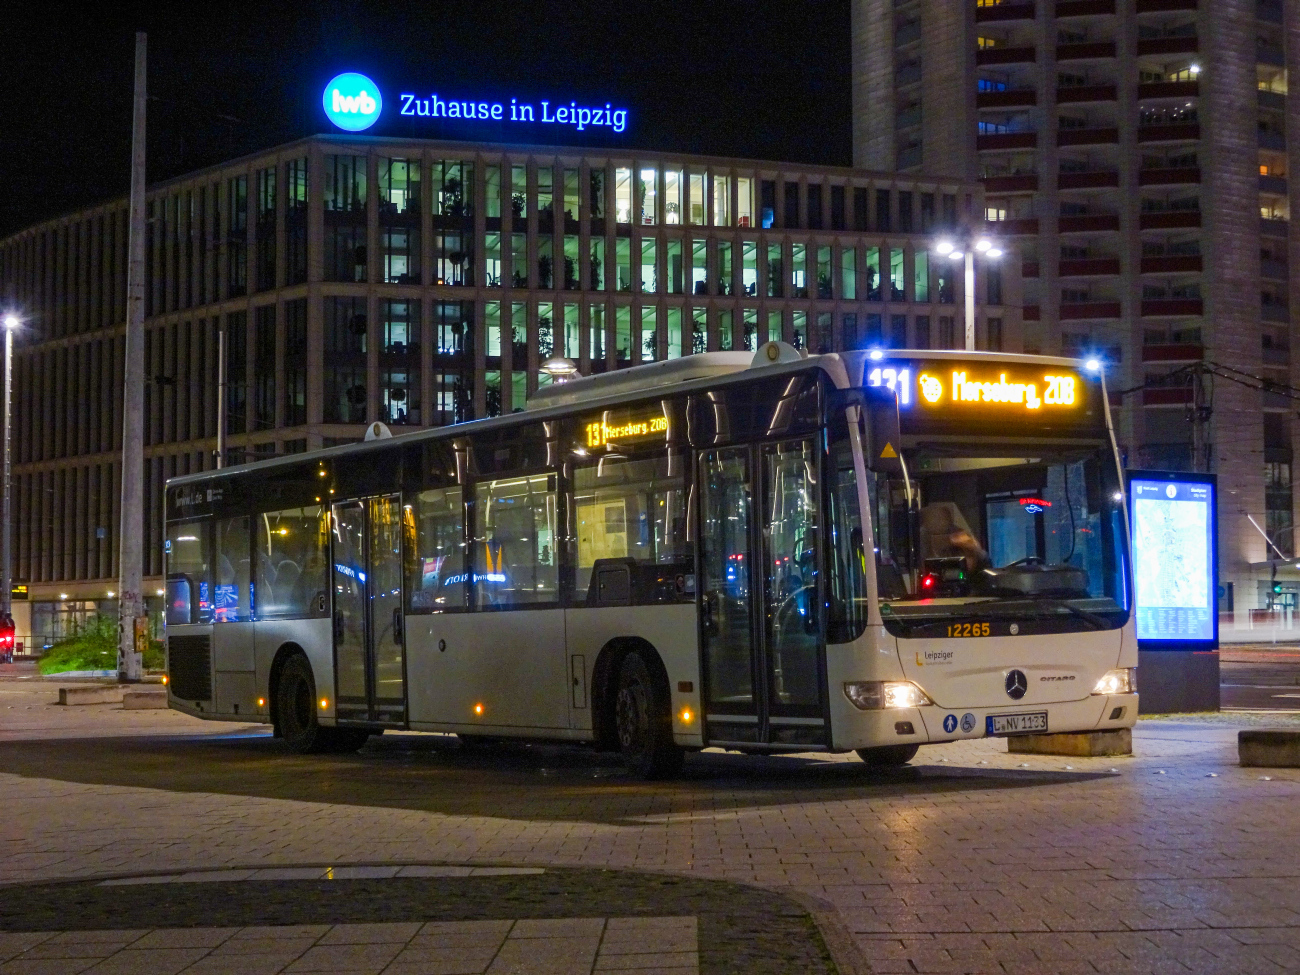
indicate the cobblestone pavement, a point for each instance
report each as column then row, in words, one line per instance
column 971, row 860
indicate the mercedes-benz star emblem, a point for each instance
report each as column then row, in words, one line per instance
column 1017, row 684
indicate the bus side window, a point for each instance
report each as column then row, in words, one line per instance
column 633, row 512
column 435, row 533
column 292, row 562
column 514, row 558
column 232, row 595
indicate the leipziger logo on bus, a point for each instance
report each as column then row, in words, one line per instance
column 353, row 103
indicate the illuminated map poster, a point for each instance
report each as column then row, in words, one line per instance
column 1173, row 561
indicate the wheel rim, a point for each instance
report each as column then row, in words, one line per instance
column 633, row 716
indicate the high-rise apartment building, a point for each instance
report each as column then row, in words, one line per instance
column 1137, row 154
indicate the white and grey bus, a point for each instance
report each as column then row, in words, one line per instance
column 863, row 551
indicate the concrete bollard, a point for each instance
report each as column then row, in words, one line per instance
column 102, row 694
column 1084, row 744
column 1265, row 748
column 144, row 698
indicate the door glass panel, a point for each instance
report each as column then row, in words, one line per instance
column 790, row 570
column 385, row 585
column 350, row 604
column 725, row 563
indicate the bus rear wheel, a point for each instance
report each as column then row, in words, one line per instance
column 296, row 714
column 888, row 756
column 643, row 720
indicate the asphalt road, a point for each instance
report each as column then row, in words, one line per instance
column 1260, row 677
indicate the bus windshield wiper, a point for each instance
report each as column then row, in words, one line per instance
column 1092, row 619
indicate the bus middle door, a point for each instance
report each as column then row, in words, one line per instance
column 369, row 639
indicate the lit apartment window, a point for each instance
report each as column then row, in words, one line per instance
column 994, row 214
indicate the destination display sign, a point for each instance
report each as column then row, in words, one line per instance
column 973, row 392
column 598, row 433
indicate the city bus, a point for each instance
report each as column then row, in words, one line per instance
column 761, row 552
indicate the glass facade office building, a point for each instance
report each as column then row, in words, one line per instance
column 424, row 283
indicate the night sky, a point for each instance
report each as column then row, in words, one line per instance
column 766, row 80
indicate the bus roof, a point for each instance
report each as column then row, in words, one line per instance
column 682, row 375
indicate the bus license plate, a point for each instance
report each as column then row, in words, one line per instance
column 1015, row 724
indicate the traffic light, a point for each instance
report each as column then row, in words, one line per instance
column 6, row 637
column 1277, row 586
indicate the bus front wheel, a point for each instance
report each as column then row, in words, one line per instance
column 888, row 756
column 643, row 720
column 296, row 714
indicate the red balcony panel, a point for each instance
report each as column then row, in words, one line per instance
column 1087, row 137
column 1084, row 181
column 1005, row 11
column 1273, row 228
column 1171, row 264
column 1169, row 89
column 1273, row 184
column 1006, row 99
column 1167, row 177
column 1031, row 313
column 1029, row 269
column 1084, row 8
column 1085, row 93
column 1010, row 184
column 1172, row 353
column 1171, row 306
column 1169, row 219
column 1007, row 140
column 1166, row 397
column 1005, row 55
column 1167, row 45
column 1088, row 266
column 1089, row 309
column 1096, row 221
column 1160, row 6
column 1016, row 228
column 1079, row 52
column 1169, row 133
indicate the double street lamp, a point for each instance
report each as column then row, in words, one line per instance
column 967, row 246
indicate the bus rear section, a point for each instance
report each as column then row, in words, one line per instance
column 1000, row 553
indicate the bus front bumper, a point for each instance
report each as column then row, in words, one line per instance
column 931, row 723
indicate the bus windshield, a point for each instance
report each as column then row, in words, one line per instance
column 1028, row 539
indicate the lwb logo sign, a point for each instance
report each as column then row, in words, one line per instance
column 352, row 101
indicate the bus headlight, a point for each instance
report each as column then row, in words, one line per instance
column 1118, row 682
column 873, row 695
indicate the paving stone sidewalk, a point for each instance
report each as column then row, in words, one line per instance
column 974, row 860
column 545, row 946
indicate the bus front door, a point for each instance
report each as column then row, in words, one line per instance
column 369, row 644
column 761, row 632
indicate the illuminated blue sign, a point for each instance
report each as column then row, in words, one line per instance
column 352, row 101
column 581, row 117
column 1174, row 575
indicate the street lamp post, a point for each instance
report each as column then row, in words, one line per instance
column 967, row 246
column 6, row 533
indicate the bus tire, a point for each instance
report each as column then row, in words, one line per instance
column 296, row 714
column 888, row 756
column 643, row 719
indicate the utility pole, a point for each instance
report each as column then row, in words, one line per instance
column 132, row 622
column 221, row 396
